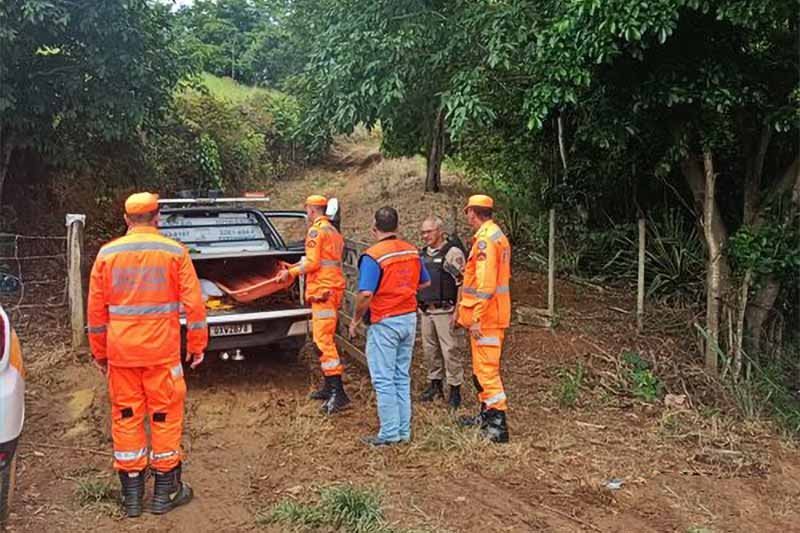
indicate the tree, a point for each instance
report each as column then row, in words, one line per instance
column 75, row 72
column 388, row 61
column 703, row 91
column 247, row 40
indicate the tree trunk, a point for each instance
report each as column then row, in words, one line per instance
column 754, row 176
column 757, row 314
column 714, row 271
column 764, row 299
column 433, row 177
column 640, row 286
column 6, row 149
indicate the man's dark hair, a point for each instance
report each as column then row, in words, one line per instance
column 483, row 213
column 386, row 219
column 143, row 218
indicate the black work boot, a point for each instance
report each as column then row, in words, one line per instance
column 433, row 390
column 338, row 400
column 496, row 429
column 454, row 401
column 132, row 492
column 170, row 492
column 325, row 392
column 472, row 421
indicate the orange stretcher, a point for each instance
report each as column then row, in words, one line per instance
column 248, row 285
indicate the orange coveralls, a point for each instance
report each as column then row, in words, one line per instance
column 137, row 286
column 486, row 299
column 325, row 286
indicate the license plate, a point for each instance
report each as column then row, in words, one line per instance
column 226, row 330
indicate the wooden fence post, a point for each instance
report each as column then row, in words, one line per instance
column 640, row 288
column 75, row 225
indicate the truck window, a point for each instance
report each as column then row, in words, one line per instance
column 215, row 232
column 292, row 228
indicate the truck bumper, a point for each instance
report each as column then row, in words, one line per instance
column 269, row 327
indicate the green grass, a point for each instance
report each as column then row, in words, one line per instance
column 569, row 385
column 91, row 491
column 96, row 492
column 643, row 383
column 231, row 89
column 341, row 508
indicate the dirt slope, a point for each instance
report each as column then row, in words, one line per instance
column 253, row 439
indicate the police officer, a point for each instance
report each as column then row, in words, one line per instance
column 138, row 285
column 485, row 310
column 444, row 260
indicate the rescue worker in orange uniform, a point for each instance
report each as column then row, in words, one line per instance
column 325, row 284
column 485, row 310
column 139, row 283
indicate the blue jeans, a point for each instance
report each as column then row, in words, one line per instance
column 390, row 344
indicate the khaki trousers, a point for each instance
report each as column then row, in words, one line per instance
column 442, row 348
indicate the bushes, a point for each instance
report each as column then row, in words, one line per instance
column 225, row 139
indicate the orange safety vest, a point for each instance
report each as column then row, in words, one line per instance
column 322, row 264
column 485, row 296
column 400, row 271
column 138, row 284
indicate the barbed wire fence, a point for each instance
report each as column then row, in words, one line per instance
column 33, row 273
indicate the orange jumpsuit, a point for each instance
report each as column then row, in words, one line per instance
column 325, row 286
column 486, row 300
column 140, row 283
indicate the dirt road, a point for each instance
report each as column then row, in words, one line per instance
column 253, row 439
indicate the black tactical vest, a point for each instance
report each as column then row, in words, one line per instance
column 443, row 290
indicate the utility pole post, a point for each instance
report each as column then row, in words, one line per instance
column 75, row 227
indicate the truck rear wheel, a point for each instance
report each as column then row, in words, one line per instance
column 290, row 349
column 7, row 483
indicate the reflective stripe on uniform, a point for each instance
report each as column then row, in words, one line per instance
column 499, row 397
column 325, row 313
column 496, row 235
column 489, row 341
column 302, row 267
column 330, row 364
column 97, row 329
column 477, row 293
column 196, row 325
column 395, row 254
column 162, row 455
column 330, row 263
column 132, row 310
column 177, row 370
column 130, row 456
column 502, row 289
column 141, row 247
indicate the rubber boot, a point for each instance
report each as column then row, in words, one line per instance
column 132, row 492
column 433, row 390
column 170, row 492
column 496, row 429
column 454, row 401
column 473, row 421
column 325, row 392
column 338, row 400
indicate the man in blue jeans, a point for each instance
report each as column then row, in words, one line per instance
column 390, row 274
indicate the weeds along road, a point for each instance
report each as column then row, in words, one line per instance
column 254, row 441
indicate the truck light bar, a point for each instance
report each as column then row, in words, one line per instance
column 204, row 201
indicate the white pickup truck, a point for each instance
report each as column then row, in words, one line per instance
column 239, row 247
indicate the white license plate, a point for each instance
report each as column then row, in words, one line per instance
column 226, row 330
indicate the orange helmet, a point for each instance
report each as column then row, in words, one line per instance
column 140, row 203
column 479, row 200
column 317, row 200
